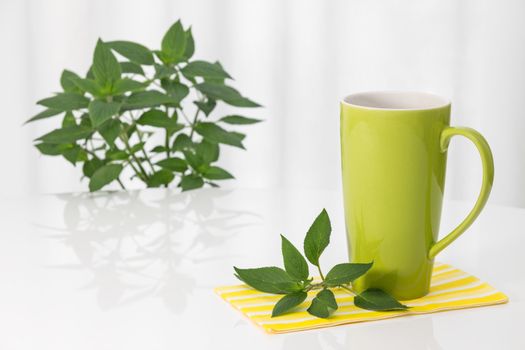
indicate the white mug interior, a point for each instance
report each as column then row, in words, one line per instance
column 396, row 100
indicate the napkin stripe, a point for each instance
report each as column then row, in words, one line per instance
column 450, row 289
column 357, row 312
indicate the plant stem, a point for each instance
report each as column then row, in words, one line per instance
column 320, row 272
column 315, row 286
column 90, row 152
column 167, row 141
column 194, row 122
column 92, row 147
column 348, row 289
column 185, row 116
column 148, row 160
column 167, row 148
column 120, row 183
column 128, row 148
column 125, row 139
column 139, row 164
column 321, row 285
column 137, row 172
column 139, row 133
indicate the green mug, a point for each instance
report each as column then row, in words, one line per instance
column 394, row 155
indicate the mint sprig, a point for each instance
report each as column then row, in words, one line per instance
column 295, row 281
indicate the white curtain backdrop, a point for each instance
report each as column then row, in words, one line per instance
column 297, row 58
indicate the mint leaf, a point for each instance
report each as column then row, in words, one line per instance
column 217, row 80
column 46, row 113
column 158, row 149
column 69, row 134
column 208, row 151
column 216, row 134
column 173, row 164
column 294, row 262
column 66, row 81
column 269, row 280
column 88, row 85
column 163, row 72
column 161, row 177
column 182, row 141
column 90, row 166
column 194, row 160
column 101, row 111
column 137, row 147
column 145, row 99
column 74, row 154
column 225, row 93
column 317, row 238
column 288, row 302
column 134, row 52
column 159, row 119
column 173, row 45
column 176, row 90
column 116, row 154
column 239, row 119
column 65, row 101
column 104, row 175
column 345, row 273
column 105, row 68
column 53, row 149
column 377, row 300
column 127, row 85
column 206, row 107
column 216, row 173
column 323, row 304
column 190, row 45
column 204, row 69
column 110, row 130
column 69, row 120
column 190, row 182
column 131, row 68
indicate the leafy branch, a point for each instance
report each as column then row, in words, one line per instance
column 294, row 280
column 111, row 117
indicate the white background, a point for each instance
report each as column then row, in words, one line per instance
column 297, row 58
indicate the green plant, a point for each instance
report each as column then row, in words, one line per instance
column 113, row 116
column 294, row 281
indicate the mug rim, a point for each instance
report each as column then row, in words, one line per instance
column 395, row 100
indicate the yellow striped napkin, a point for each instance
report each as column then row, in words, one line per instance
column 450, row 289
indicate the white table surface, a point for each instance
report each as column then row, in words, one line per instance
column 137, row 270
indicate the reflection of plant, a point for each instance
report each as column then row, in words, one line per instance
column 133, row 246
column 110, row 115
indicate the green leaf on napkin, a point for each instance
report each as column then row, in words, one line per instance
column 323, row 304
column 294, row 263
column 295, row 282
column 317, row 238
column 345, row 273
column 269, row 279
column 288, row 302
column 378, row 300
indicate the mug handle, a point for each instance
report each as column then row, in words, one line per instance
column 487, row 163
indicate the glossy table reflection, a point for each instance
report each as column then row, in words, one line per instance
column 136, row 270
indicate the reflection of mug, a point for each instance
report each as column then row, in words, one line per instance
column 394, row 152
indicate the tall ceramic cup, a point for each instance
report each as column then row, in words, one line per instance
column 394, row 156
